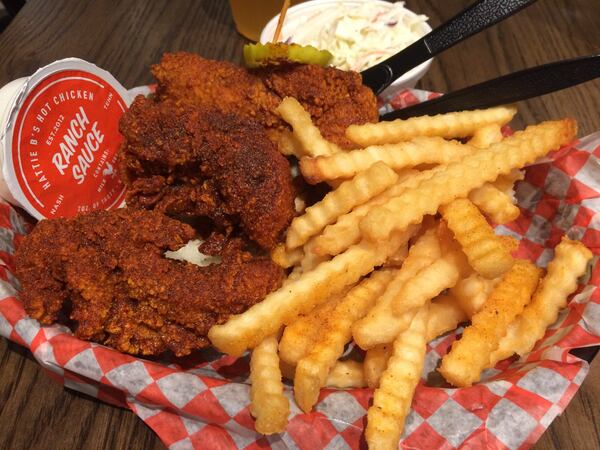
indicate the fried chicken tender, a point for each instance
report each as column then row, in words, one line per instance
column 334, row 98
column 186, row 161
column 105, row 274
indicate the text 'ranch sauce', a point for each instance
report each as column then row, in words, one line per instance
column 59, row 137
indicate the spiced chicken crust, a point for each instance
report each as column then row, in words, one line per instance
column 106, row 272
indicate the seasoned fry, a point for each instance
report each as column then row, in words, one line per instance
column 349, row 194
column 380, row 325
column 463, row 365
column 299, row 296
column 444, row 315
column 309, row 136
column 472, row 292
column 269, row 406
column 494, row 203
column 286, row 258
column 484, row 249
column 486, row 136
column 427, row 284
column 569, row 263
column 299, row 336
column 312, row 370
column 450, row 126
column 310, row 258
column 346, row 232
column 391, row 402
column 375, row 363
column 346, row 375
column 510, row 243
column 421, row 150
column 448, row 182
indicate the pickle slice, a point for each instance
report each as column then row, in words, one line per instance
column 258, row 55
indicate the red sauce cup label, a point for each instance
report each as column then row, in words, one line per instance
column 64, row 145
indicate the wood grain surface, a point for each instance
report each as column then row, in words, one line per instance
column 126, row 37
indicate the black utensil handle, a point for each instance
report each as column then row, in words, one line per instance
column 472, row 20
column 510, row 88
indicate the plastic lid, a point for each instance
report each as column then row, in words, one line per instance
column 61, row 140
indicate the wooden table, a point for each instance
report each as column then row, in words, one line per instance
column 125, row 37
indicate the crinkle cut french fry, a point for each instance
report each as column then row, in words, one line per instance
column 452, row 125
column 299, row 336
column 349, row 194
column 345, row 231
column 392, row 400
column 486, row 136
column 569, row 263
column 463, row 365
column 472, row 292
column 421, row 150
column 312, row 141
column 506, row 183
column 381, row 325
column 312, row 370
column 287, row 143
column 269, row 406
column 281, row 307
column 494, row 203
column 376, row 359
column 346, row 375
column 509, row 242
column 284, row 258
column 485, row 250
column 444, row 315
column 448, row 182
column 427, row 284
column 310, row 259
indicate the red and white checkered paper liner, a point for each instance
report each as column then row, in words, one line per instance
column 203, row 401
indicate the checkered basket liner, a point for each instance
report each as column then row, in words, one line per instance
column 203, row 401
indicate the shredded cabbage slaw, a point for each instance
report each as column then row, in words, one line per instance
column 360, row 36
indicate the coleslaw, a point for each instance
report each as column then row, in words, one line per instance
column 364, row 35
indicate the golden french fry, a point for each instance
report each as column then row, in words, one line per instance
column 375, row 363
column 448, row 182
column 349, row 194
column 445, row 315
column 288, row 144
column 312, row 370
column 346, row 375
column 569, row 263
column 381, row 325
column 509, row 242
column 398, row 258
column 486, row 136
column 494, row 203
column 345, row 232
column 281, row 307
column 452, row 125
column 299, row 336
column 284, row 258
column 269, row 406
column 484, row 249
column 506, row 183
column 312, row 141
column 391, row 402
column 310, row 259
column 421, row 150
column 472, row 292
column 463, row 365
column 426, row 284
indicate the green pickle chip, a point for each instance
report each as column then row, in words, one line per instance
column 258, row 55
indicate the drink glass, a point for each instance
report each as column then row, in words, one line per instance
column 251, row 16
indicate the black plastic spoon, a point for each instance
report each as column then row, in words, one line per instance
column 472, row 20
column 509, row 88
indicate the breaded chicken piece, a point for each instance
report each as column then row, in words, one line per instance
column 106, row 272
column 186, row 161
column 335, row 98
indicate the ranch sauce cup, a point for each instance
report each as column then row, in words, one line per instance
column 59, row 136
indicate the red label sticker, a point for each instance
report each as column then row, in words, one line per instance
column 65, row 143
